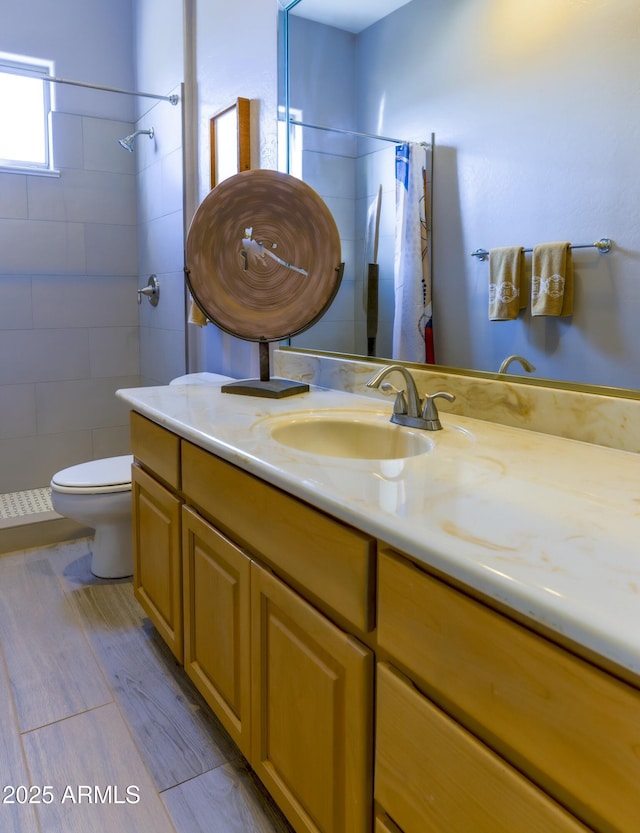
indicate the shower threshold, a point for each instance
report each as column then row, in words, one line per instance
column 27, row 519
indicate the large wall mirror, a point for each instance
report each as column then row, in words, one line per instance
column 534, row 107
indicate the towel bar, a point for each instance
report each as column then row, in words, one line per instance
column 603, row 246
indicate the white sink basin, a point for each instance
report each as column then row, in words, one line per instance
column 354, row 436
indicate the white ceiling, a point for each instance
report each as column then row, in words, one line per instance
column 351, row 15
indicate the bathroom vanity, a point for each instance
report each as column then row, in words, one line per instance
column 446, row 641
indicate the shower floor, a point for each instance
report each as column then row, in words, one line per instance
column 14, row 505
column 27, row 519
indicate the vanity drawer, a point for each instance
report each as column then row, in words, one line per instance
column 331, row 563
column 431, row 774
column 157, row 449
column 571, row 727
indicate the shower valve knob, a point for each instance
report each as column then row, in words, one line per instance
column 151, row 290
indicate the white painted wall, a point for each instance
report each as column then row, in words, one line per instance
column 236, row 56
column 535, row 110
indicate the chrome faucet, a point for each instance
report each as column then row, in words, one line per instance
column 408, row 408
column 525, row 364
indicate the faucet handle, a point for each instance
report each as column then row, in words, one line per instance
column 429, row 410
column 400, row 405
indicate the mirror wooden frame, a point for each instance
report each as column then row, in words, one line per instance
column 228, row 128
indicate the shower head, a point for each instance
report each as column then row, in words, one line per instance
column 127, row 142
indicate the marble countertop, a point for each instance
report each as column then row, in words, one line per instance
column 549, row 527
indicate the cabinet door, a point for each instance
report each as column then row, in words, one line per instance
column 216, row 623
column 312, row 692
column 157, row 565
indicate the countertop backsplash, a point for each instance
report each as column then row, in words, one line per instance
column 612, row 421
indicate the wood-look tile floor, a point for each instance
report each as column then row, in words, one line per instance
column 101, row 731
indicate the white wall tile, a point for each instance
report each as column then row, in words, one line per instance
column 161, row 247
column 17, row 411
column 161, row 355
column 166, row 120
column 101, row 149
column 15, row 302
column 329, row 175
column 13, row 195
column 159, row 46
column 43, row 355
column 111, row 442
column 343, row 214
column 171, row 176
column 114, row 351
column 169, row 314
column 343, row 304
column 160, row 187
column 83, row 197
column 149, row 192
column 30, row 462
column 111, row 250
column 81, row 404
column 30, row 246
column 66, row 129
column 81, row 301
column 327, row 335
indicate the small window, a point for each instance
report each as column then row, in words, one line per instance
column 24, row 109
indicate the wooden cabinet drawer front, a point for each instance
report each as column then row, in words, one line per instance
column 572, row 728
column 156, row 448
column 431, row 774
column 333, row 563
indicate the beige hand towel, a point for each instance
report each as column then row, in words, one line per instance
column 196, row 316
column 552, row 279
column 505, row 274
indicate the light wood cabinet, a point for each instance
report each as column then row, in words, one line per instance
column 296, row 623
column 431, row 774
column 216, row 624
column 277, row 662
column 385, row 825
column 157, row 556
column 332, row 564
column 311, row 711
column 569, row 727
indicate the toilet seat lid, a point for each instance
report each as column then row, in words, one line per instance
column 111, row 474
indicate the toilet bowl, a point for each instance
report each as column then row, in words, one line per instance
column 98, row 494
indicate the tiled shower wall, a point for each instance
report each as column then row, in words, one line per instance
column 68, row 311
column 159, row 68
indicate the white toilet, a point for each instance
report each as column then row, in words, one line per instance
column 97, row 494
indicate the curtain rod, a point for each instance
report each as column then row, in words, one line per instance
column 354, row 133
column 603, row 246
column 172, row 99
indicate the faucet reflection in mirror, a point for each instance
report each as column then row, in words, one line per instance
column 510, row 359
column 408, row 409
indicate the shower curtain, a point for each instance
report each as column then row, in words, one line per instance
column 412, row 325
